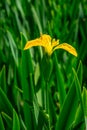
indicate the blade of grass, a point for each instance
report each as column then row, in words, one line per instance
column 52, row 111
column 19, row 6
column 16, row 123
column 1, row 124
column 60, row 81
column 79, row 118
column 7, row 119
column 27, row 86
column 43, row 120
column 36, row 18
column 69, row 108
column 80, row 121
column 13, row 47
column 3, row 79
column 80, row 73
column 78, row 89
column 5, row 105
column 84, row 99
column 22, row 124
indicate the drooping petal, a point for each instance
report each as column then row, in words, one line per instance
column 66, row 47
column 44, row 40
column 32, row 43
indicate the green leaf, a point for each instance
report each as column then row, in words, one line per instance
column 36, row 109
column 5, row 105
column 84, row 99
column 19, row 6
column 68, row 111
column 26, row 72
column 60, row 81
column 2, row 57
column 79, row 119
column 80, row 73
column 26, row 56
column 52, row 112
column 22, row 124
column 43, row 120
column 36, row 18
column 46, row 67
column 78, row 89
column 7, row 119
column 1, row 124
column 13, row 47
column 36, row 74
column 3, row 79
column 70, row 105
column 16, row 123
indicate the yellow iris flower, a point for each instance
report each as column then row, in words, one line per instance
column 50, row 45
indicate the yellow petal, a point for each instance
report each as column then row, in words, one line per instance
column 32, row 43
column 66, row 47
column 44, row 40
column 55, row 43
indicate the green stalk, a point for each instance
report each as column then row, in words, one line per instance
column 43, row 92
column 46, row 72
column 47, row 104
column 60, row 81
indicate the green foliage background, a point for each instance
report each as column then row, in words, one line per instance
column 37, row 92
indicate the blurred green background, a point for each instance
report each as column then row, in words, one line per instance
column 38, row 93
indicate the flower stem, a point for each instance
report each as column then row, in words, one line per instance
column 47, row 104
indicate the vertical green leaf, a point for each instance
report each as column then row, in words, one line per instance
column 7, row 119
column 13, row 47
column 27, row 86
column 43, row 120
column 52, row 112
column 78, row 89
column 80, row 73
column 84, row 98
column 68, row 110
column 5, row 105
column 47, row 68
column 3, row 79
column 36, row 18
column 79, row 120
column 16, row 123
column 60, row 81
column 70, row 105
column 1, row 124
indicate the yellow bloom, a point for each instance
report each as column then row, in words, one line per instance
column 50, row 45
